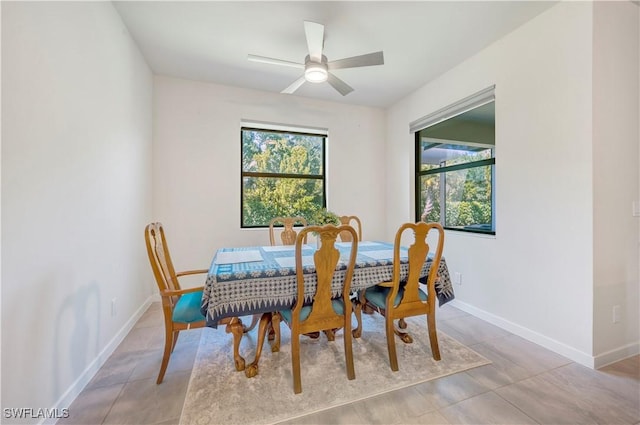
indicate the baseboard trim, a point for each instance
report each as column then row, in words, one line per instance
column 612, row 356
column 535, row 337
column 76, row 388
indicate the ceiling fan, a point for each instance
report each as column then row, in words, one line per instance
column 316, row 67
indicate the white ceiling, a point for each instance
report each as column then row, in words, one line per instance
column 210, row 40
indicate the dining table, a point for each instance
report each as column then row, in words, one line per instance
column 260, row 280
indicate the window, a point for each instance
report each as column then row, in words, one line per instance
column 283, row 174
column 455, row 167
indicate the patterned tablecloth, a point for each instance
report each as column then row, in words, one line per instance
column 259, row 279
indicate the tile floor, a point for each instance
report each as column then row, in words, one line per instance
column 525, row 384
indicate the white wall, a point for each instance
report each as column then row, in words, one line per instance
column 76, row 194
column 196, row 162
column 616, row 141
column 535, row 277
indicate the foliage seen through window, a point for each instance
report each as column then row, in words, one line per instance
column 282, row 175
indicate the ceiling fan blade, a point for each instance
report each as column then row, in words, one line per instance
column 369, row 59
column 339, row 85
column 294, row 86
column 315, row 40
column 272, row 61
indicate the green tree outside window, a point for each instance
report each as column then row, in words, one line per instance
column 282, row 175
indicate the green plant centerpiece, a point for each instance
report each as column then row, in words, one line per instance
column 322, row 217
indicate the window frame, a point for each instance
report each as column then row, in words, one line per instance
column 469, row 103
column 441, row 171
column 283, row 130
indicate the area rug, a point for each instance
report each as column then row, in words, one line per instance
column 217, row 394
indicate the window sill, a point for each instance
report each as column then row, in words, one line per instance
column 480, row 233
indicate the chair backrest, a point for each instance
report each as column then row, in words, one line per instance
column 347, row 219
column 325, row 259
column 288, row 234
column 417, row 256
column 160, row 258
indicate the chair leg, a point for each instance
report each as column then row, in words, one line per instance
column 357, row 332
column 433, row 336
column 175, row 340
column 271, row 334
column 265, row 321
column 254, row 321
column 168, row 348
column 391, row 344
column 295, row 362
column 348, row 349
column 235, row 327
column 330, row 333
column 405, row 337
column 275, row 327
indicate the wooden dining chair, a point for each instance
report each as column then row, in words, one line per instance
column 323, row 310
column 398, row 299
column 181, row 307
column 288, row 234
column 347, row 219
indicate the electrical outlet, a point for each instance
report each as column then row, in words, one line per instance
column 114, row 310
column 616, row 314
column 457, row 278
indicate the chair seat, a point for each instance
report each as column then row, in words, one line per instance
column 337, row 304
column 187, row 309
column 377, row 295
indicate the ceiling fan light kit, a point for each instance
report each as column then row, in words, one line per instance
column 316, row 67
column 315, row 72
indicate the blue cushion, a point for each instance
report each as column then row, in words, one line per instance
column 377, row 295
column 187, row 309
column 337, row 305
